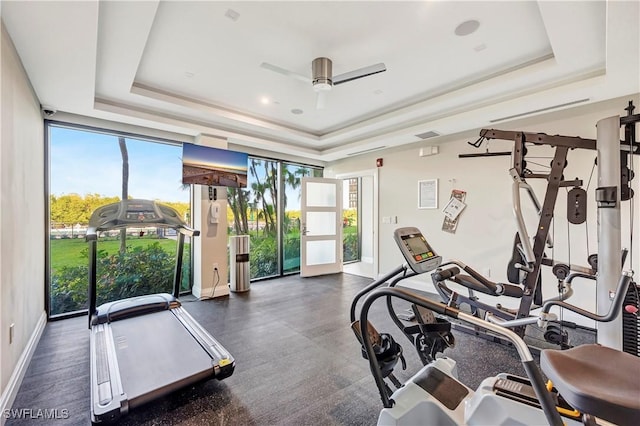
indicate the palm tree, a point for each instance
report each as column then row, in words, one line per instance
column 125, row 187
column 238, row 201
column 258, row 193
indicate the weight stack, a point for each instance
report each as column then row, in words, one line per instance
column 631, row 323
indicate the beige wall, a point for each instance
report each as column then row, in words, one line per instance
column 22, row 211
column 486, row 227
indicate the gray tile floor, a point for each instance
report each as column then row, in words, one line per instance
column 297, row 362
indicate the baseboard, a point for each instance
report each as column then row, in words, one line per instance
column 10, row 392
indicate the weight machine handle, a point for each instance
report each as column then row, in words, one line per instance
column 614, row 309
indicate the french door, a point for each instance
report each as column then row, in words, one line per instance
column 321, row 227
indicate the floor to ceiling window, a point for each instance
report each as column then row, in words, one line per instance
column 268, row 210
column 89, row 168
column 350, row 220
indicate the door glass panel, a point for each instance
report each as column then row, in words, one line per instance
column 88, row 169
column 321, row 223
column 321, row 252
column 321, row 194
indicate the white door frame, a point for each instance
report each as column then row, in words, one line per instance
column 373, row 173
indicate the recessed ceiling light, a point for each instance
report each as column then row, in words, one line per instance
column 264, row 100
column 296, row 111
column 232, row 14
column 467, row 27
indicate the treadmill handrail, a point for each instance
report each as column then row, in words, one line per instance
column 92, row 232
column 118, row 216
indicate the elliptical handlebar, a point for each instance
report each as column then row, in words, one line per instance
column 445, row 274
column 377, row 283
column 493, row 288
column 531, row 369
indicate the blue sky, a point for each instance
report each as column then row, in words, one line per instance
column 84, row 162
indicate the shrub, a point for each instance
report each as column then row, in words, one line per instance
column 136, row 272
column 350, row 247
column 263, row 261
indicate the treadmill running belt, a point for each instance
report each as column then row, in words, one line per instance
column 157, row 355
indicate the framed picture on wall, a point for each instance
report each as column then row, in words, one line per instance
column 428, row 194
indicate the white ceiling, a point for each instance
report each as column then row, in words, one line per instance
column 186, row 67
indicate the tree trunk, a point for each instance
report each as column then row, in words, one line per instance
column 125, row 187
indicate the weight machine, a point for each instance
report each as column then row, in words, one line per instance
column 614, row 179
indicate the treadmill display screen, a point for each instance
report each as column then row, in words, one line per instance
column 418, row 247
column 141, row 216
column 140, row 212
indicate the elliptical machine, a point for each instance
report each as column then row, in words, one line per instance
column 585, row 386
column 431, row 335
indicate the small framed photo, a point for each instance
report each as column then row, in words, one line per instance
column 428, row 194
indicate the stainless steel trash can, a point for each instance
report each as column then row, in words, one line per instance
column 239, row 273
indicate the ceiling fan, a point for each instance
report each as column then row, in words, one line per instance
column 322, row 78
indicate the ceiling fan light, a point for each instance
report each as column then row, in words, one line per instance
column 322, row 86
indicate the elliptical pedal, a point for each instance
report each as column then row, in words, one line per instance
column 388, row 352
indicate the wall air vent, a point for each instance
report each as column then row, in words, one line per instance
column 367, row 150
column 427, row 135
column 535, row 111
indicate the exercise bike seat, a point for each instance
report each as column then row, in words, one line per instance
column 475, row 285
column 596, row 380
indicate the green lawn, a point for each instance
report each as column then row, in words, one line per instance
column 73, row 252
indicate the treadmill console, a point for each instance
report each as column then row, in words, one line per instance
column 415, row 249
column 133, row 213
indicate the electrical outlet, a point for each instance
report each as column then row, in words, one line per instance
column 11, row 327
column 215, row 266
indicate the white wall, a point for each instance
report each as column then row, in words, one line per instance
column 22, row 213
column 486, row 227
column 366, row 216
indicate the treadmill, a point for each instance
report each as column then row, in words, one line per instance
column 145, row 347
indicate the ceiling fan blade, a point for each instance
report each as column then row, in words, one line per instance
column 283, row 71
column 359, row 73
column 321, row 99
